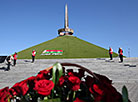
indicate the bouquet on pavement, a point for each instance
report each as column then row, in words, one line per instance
column 60, row 84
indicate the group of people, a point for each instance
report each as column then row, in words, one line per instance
column 9, row 60
column 120, row 52
column 13, row 58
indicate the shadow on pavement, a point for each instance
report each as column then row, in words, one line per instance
column 100, row 58
column 3, row 68
column 27, row 61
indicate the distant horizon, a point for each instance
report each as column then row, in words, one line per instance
column 104, row 23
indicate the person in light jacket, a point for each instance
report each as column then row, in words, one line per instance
column 9, row 60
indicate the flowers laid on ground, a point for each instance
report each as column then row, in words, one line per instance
column 44, row 87
column 57, row 84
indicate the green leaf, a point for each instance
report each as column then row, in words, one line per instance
column 54, row 73
column 124, row 94
column 57, row 72
column 9, row 100
column 54, row 77
column 60, row 71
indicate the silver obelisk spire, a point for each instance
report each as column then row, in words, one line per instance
column 66, row 30
column 66, row 17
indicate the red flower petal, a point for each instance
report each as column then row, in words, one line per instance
column 44, row 87
column 78, row 100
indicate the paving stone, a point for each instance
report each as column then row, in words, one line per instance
column 120, row 73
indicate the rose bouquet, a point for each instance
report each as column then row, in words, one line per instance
column 60, row 84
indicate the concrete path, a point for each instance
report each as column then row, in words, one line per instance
column 125, row 73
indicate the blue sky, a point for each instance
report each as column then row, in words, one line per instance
column 25, row 23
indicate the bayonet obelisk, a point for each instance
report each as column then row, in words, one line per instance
column 66, row 17
column 66, row 30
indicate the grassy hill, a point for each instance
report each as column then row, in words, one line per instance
column 72, row 47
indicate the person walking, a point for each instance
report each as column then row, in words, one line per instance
column 15, row 58
column 33, row 55
column 120, row 51
column 9, row 60
column 110, row 53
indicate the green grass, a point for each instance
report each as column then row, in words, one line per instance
column 72, row 47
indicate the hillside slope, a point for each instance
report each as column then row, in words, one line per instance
column 71, row 46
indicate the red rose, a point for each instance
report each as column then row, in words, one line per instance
column 111, row 94
column 97, row 89
column 44, row 87
column 4, row 93
column 31, row 78
column 31, row 81
column 97, row 92
column 40, row 76
column 75, row 82
column 21, row 87
column 78, row 100
column 43, row 75
column 70, row 74
column 13, row 92
column 61, row 81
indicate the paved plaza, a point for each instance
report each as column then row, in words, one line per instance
column 125, row 73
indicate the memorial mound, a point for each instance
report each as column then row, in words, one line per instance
column 65, row 47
